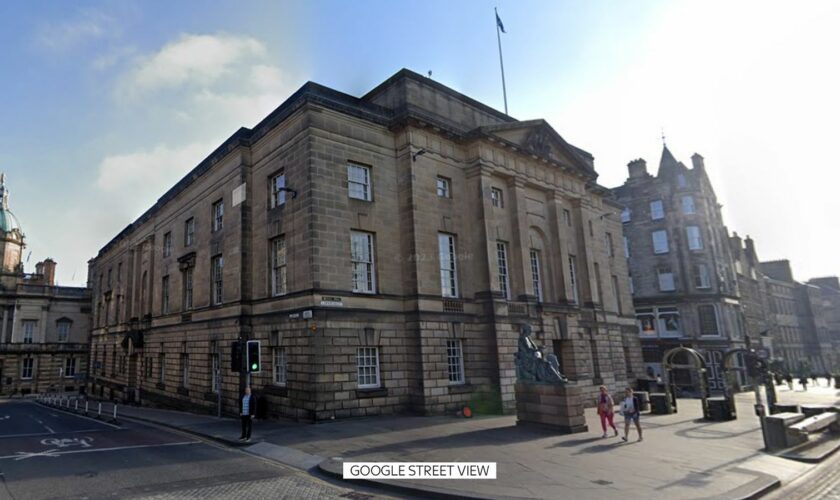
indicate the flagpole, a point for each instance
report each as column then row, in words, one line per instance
column 501, row 61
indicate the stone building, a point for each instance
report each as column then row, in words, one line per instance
column 383, row 249
column 824, row 297
column 682, row 270
column 45, row 329
column 759, row 323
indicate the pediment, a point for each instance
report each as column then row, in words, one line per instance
column 539, row 138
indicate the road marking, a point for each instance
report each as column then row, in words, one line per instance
column 53, row 453
column 47, row 427
column 7, row 436
column 5, row 417
column 84, row 442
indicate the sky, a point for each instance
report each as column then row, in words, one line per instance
column 106, row 104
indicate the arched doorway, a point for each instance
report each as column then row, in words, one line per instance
column 686, row 358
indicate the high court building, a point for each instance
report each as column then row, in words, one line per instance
column 45, row 327
column 385, row 250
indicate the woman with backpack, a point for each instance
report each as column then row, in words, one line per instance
column 631, row 409
column 606, row 407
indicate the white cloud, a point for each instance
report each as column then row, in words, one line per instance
column 191, row 60
column 149, row 171
column 88, row 25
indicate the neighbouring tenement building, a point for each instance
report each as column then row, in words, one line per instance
column 45, row 329
column 384, row 250
column 685, row 290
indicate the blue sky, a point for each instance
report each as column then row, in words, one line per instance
column 107, row 104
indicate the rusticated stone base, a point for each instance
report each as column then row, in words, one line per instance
column 556, row 408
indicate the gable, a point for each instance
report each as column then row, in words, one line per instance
column 538, row 138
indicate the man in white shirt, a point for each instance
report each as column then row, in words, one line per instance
column 247, row 411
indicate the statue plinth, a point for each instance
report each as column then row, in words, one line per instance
column 552, row 407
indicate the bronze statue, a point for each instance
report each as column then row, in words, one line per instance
column 532, row 365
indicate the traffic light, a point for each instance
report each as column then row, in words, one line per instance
column 236, row 356
column 253, row 356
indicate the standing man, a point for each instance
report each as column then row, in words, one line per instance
column 247, row 411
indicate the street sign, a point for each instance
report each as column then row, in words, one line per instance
column 762, row 353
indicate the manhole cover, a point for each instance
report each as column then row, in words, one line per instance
column 602, row 482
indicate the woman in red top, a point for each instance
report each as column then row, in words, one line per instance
column 605, row 410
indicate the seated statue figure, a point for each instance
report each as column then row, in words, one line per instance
column 532, row 365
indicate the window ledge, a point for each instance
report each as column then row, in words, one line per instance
column 376, row 392
column 461, row 388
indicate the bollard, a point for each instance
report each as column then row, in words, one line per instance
column 115, row 413
column 76, row 408
column 86, row 408
column 99, row 413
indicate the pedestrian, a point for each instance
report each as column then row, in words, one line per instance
column 606, row 411
column 827, row 377
column 804, row 381
column 630, row 408
column 789, row 380
column 247, row 412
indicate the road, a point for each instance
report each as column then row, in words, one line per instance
column 46, row 453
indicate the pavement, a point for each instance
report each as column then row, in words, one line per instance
column 681, row 456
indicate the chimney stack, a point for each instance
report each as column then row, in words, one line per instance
column 49, row 272
column 637, row 168
column 697, row 161
column 39, row 268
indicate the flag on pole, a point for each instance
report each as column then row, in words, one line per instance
column 499, row 23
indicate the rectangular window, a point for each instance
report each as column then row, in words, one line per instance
column 162, row 367
column 279, row 366
column 626, row 247
column 278, row 192
column 501, row 259
column 218, row 215
column 358, row 182
column 695, row 241
column 536, row 278
column 625, row 215
column 164, row 295
column 278, row 266
column 609, row 241
column 615, row 291
column 70, row 367
column 443, row 187
column 701, row 276
column 217, row 266
column 657, row 210
column 29, row 331
column 185, row 370
column 189, row 232
column 448, row 270
column 188, row 289
column 666, row 280
column 455, row 361
column 497, row 197
column 27, row 368
column 214, row 377
column 708, row 320
column 660, row 241
column 573, row 278
column 361, row 257
column 167, row 250
column 598, row 292
column 646, row 320
column 63, row 328
column 681, row 180
column 688, row 205
column 567, row 217
column 669, row 321
column 367, row 367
